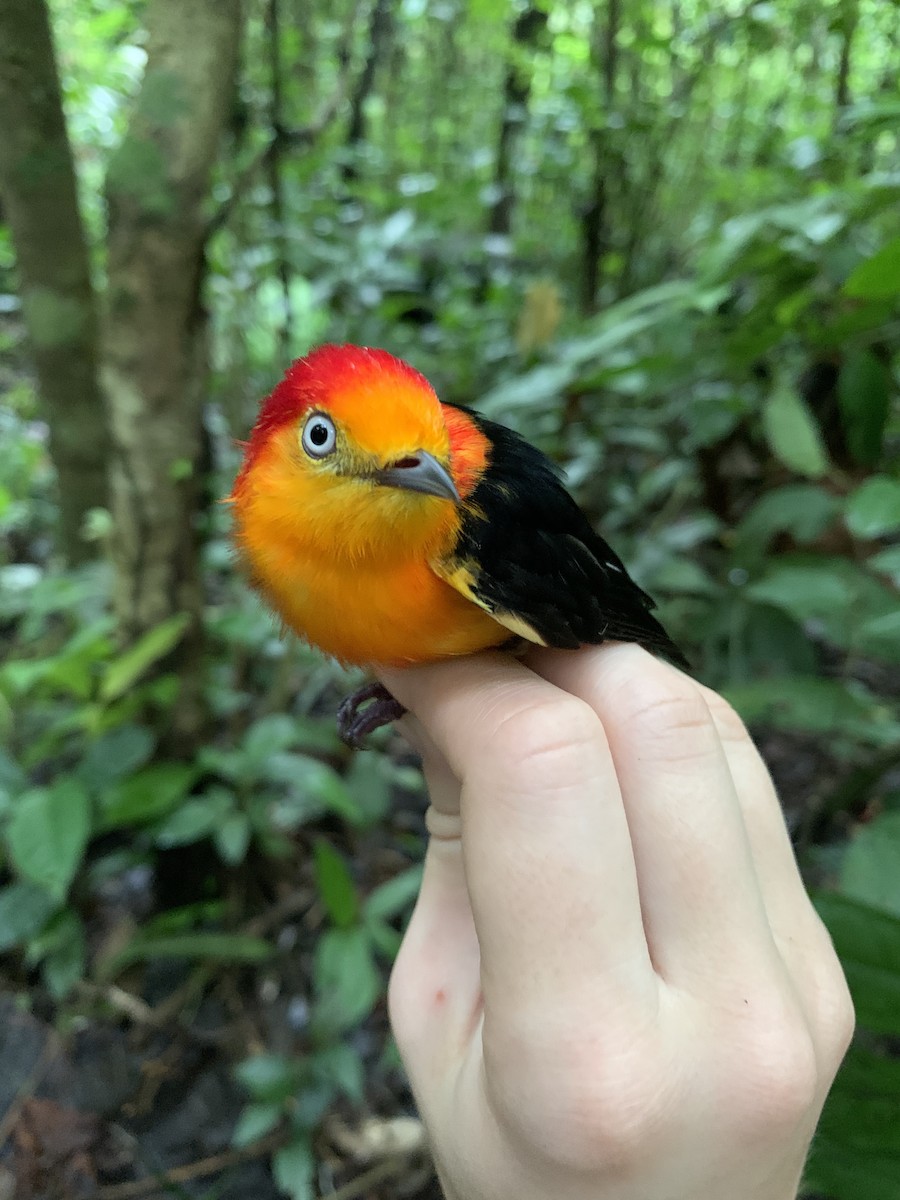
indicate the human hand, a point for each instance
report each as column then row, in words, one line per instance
column 613, row 985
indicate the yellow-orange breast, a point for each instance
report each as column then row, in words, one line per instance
column 345, row 564
column 392, row 614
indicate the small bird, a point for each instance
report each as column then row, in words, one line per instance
column 388, row 527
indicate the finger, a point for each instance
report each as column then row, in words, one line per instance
column 547, row 854
column 699, row 893
column 443, row 786
column 803, row 942
column 776, row 868
column 434, row 996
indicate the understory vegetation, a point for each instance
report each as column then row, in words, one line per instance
column 659, row 239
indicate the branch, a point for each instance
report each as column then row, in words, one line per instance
column 708, row 42
column 212, row 1165
column 290, row 139
column 368, row 1179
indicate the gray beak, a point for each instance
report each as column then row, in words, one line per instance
column 418, row 472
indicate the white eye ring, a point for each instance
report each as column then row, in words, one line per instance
column 319, row 436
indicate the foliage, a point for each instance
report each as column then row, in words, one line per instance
column 857, row 1139
column 723, row 399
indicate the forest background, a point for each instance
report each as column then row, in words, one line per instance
column 661, row 239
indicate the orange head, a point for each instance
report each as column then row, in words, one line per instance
column 350, row 457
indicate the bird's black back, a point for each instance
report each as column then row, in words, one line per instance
column 539, row 559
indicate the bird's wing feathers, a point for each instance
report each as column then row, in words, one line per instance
column 528, row 556
column 467, row 577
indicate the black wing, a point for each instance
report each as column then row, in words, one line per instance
column 528, row 555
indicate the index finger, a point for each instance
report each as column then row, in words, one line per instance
column 546, row 848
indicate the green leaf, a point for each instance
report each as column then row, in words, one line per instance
column 887, row 562
column 13, row 779
column 394, row 896
column 536, row 387
column 293, row 1167
column 232, row 838
column 347, row 980
column 218, row 947
column 336, row 888
column 793, row 434
column 857, row 1142
column 870, row 871
column 269, row 1078
column 845, row 602
column 310, row 1104
column 682, row 577
column 864, row 397
column 267, row 736
column 61, row 950
column 114, row 755
column 811, row 705
column 20, row 677
column 764, row 641
column 255, row 1122
column 385, row 938
column 878, row 278
column 371, row 784
column 124, row 671
column 868, row 942
column 47, row 834
column 196, row 819
column 24, row 910
column 873, row 510
column 807, row 590
column 342, row 1065
column 313, row 786
column 880, row 636
column 147, row 796
column 801, row 509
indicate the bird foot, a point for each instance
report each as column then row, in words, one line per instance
column 366, row 710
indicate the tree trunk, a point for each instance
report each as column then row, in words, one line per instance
column 595, row 218
column 276, row 178
column 849, row 19
column 381, row 27
column 155, row 356
column 37, row 181
column 529, row 25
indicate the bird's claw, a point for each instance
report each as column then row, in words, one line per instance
column 366, row 710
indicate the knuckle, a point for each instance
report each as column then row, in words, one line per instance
column 780, row 1076
column 663, row 705
column 837, row 1021
column 726, row 719
column 613, row 1118
column 833, row 1013
column 597, row 1106
column 546, row 735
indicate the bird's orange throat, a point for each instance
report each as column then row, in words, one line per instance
column 346, row 562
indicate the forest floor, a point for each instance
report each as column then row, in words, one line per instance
column 128, row 1091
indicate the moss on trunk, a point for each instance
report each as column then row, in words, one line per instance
column 37, row 181
column 155, row 364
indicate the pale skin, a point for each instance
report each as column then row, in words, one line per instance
column 614, row 986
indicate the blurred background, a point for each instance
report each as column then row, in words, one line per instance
column 661, row 239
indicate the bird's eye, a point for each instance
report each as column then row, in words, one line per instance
column 319, row 436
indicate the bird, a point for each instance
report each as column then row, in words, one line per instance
column 388, row 527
